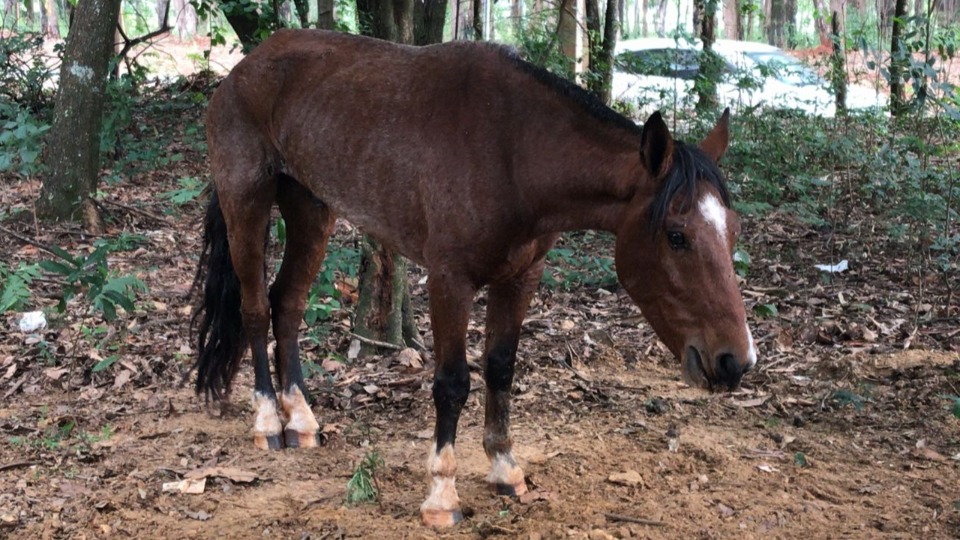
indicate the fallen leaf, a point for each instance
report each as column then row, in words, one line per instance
column 121, row 379
column 629, row 478
column 199, row 516
column 747, row 403
column 331, row 365
column 410, row 357
column 930, row 454
column 538, row 457
column 55, row 373
column 187, row 485
column 231, row 473
column 72, row 489
column 354, row 350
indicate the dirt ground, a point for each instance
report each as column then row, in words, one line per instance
column 847, row 429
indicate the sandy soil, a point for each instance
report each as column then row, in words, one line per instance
column 881, row 471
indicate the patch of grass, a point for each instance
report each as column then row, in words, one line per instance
column 362, row 487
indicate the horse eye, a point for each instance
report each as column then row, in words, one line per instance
column 677, row 240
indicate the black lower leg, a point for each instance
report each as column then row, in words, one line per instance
column 450, row 390
column 499, row 378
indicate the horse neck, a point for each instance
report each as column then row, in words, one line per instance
column 588, row 181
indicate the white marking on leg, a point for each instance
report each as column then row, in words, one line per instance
column 299, row 416
column 504, row 470
column 268, row 421
column 752, row 352
column 443, row 500
column 715, row 214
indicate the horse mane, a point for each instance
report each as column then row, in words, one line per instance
column 584, row 99
column 689, row 166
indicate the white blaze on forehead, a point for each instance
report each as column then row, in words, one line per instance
column 752, row 353
column 714, row 213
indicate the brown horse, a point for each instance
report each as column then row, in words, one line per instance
column 469, row 161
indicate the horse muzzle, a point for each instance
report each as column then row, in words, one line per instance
column 723, row 374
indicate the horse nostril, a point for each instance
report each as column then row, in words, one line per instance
column 729, row 370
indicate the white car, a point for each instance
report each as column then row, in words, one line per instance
column 660, row 72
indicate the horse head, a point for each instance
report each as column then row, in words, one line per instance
column 674, row 254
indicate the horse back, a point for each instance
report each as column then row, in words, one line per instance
column 415, row 145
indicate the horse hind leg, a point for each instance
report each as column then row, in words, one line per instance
column 309, row 225
column 246, row 188
column 507, row 304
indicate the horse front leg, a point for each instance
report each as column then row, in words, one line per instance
column 507, row 304
column 450, row 300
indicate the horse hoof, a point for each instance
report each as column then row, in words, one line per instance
column 441, row 518
column 511, row 490
column 295, row 439
column 267, row 442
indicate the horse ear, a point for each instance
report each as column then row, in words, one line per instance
column 656, row 146
column 715, row 145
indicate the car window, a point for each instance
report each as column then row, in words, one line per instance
column 674, row 63
column 784, row 68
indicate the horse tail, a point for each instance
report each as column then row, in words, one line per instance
column 221, row 341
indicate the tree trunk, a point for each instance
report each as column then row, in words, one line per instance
column 73, row 146
column 570, row 31
column 820, row 22
column 185, row 19
column 326, row 15
column 463, row 19
column 731, row 19
column 478, row 20
column 245, row 23
column 403, row 16
column 51, row 19
column 517, row 10
column 838, row 7
column 594, row 37
column 383, row 293
column 661, row 21
column 302, row 8
column 11, row 13
column 838, row 63
column 379, row 314
column 28, row 12
column 611, row 28
column 790, row 23
column 644, row 28
column 775, row 23
column 621, row 17
column 898, row 59
column 429, row 17
column 391, row 20
column 710, row 62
